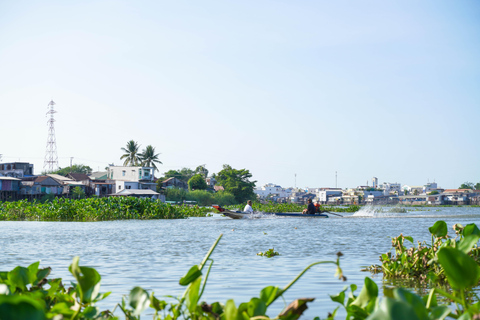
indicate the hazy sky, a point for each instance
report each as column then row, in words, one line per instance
column 362, row 88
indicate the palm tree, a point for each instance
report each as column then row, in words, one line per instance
column 131, row 156
column 149, row 158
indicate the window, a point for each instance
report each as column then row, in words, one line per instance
column 123, row 173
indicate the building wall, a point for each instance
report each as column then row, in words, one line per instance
column 324, row 195
column 130, row 173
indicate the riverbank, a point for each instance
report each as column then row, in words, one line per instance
column 97, row 209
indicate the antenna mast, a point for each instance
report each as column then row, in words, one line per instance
column 51, row 158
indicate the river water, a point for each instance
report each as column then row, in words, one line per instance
column 155, row 254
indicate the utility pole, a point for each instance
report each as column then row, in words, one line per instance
column 71, row 158
column 295, row 181
column 51, row 157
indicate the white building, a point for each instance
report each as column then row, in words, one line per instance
column 326, row 195
column 389, row 188
column 375, row 182
column 131, row 177
column 431, row 186
column 272, row 189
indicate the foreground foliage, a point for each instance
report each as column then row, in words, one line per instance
column 26, row 293
column 96, row 209
column 422, row 261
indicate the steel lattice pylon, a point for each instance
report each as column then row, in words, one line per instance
column 51, row 158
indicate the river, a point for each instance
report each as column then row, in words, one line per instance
column 154, row 254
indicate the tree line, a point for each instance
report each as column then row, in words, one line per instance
column 235, row 182
column 237, row 187
column 470, row 185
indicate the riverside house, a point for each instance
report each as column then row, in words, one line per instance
column 131, row 178
column 9, row 188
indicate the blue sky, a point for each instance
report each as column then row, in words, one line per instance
column 361, row 88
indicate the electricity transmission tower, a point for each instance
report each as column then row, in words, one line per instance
column 51, row 158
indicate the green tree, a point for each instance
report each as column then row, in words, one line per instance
column 202, row 197
column 132, row 154
column 467, row 185
column 223, row 198
column 477, row 186
column 78, row 193
column 184, row 174
column 175, row 194
column 197, row 182
column 237, row 183
column 202, row 170
column 76, row 168
column 149, row 158
column 433, row 192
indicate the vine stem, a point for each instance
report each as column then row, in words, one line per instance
column 202, row 264
column 299, row 276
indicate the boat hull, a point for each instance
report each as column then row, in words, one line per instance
column 243, row 215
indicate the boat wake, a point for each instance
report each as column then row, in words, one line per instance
column 380, row 212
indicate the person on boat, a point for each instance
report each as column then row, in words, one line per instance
column 311, row 209
column 248, row 208
column 318, row 207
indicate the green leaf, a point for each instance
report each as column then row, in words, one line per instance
column 20, row 278
column 54, row 284
column 269, row 294
column 139, row 300
column 369, row 292
column 355, row 312
column 409, row 239
column 471, row 228
column 461, row 270
column 88, row 281
column 440, row 312
column 90, row 312
column 413, row 300
column 20, row 308
column 467, row 243
column 391, row 309
column 193, row 294
column 439, row 229
column 42, row 274
column 156, row 304
column 62, row 308
column 256, row 307
column 3, row 276
column 33, row 269
column 340, row 298
column 191, row 276
column 217, row 308
column 231, row 312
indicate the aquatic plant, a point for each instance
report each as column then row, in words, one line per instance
column 97, row 209
column 269, row 253
column 422, row 261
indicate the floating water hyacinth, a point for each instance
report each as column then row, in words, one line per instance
column 269, row 253
column 97, row 209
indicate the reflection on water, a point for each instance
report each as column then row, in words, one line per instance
column 155, row 254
